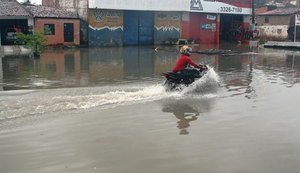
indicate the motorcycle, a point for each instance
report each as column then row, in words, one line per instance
column 174, row 80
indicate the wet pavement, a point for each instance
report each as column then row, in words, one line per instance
column 106, row 110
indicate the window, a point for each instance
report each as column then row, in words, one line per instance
column 49, row 29
column 266, row 19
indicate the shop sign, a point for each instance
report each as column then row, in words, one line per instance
column 211, row 17
column 196, row 5
column 209, row 26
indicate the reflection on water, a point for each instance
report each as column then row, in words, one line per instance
column 87, row 67
column 187, row 110
column 133, row 74
column 105, row 66
column 117, row 109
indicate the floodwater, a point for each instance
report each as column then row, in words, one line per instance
column 106, row 110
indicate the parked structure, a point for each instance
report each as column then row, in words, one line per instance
column 276, row 24
column 13, row 18
column 61, row 27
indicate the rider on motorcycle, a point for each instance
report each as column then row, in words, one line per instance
column 184, row 60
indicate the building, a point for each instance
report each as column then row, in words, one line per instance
column 275, row 24
column 143, row 22
column 78, row 6
column 149, row 22
column 60, row 26
column 13, row 18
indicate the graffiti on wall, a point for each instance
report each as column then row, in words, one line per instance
column 167, row 27
column 209, row 26
column 105, row 27
column 106, row 19
column 167, row 21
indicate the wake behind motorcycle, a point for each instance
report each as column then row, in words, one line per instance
column 185, row 78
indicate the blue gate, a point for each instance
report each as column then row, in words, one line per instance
column 138, row 28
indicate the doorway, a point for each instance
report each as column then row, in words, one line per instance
column 138, row 28
column 68, row 32
column 231, row 27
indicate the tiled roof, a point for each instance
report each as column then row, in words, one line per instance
column 12, row 8
column 50, row 12
column 280, row 12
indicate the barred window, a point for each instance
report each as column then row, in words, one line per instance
column 49, row 29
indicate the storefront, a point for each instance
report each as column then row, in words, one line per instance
column 136, row 22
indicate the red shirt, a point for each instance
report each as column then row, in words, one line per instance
column 182, row 62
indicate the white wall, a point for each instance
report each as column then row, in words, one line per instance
column 158, row 5
column 205, row 6
column 278, row 32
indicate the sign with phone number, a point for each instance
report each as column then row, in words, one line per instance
column 231, row 9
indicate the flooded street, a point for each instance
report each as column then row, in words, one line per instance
column 106, row 110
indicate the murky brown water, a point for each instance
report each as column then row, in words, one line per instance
column 105, row 110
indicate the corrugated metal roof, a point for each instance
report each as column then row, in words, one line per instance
column 280, row 12
column 50, row 12
column 12, row 8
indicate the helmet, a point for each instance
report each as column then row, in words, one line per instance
column 186, row 50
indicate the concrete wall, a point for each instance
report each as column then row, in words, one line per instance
column 105, row 27
column 203, row 28
column 167, row 27
column 275, row 29
column 274, row 32
column 148, row 5
column 58, row 38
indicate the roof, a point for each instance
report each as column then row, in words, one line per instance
column 280, row 12
column 12, row 8
column 51, row 12
column 261, row 10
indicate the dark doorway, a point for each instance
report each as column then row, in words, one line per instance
column 68, row 32
column 9, row 28
column 230, row 27
column 138, row 28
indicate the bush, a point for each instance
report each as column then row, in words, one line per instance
column 36, row 41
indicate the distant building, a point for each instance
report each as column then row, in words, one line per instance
column 61, row 27
column 78, row 6
column 275, row 24
column 13, row 18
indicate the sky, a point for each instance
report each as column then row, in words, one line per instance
column 38, row 2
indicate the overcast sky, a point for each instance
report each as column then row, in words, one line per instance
column 38, row 2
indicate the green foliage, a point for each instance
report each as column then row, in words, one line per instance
column 36, row 41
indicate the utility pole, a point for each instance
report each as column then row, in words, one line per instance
column 253, row 13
